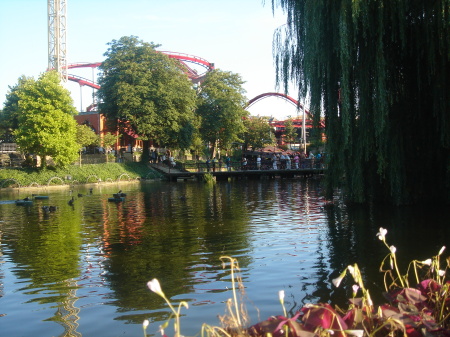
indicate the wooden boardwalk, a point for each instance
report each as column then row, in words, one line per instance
column 175, row 174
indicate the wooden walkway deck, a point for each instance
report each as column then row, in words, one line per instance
column 174, row 174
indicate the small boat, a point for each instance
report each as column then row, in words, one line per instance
column 116, row 199
column 23, row 202
column 40, row 197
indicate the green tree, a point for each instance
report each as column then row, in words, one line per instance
column 44, row 113
column 221, row 101
column 378, row 71
column 108, row 140
column 85, row 137
column 145, row 91
column 258, row 132
column 10, row 113
column 290, row 133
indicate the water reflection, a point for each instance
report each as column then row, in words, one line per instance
column 85, row 266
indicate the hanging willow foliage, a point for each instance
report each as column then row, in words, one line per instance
column 378, row 72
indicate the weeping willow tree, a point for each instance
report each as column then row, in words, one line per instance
column 378, row 72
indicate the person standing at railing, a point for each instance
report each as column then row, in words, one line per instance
column 228, row 163
column 244, row 164
column 274, row 161
column 258, row 162
column 288, row 161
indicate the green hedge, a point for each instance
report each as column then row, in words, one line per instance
column 87, row 173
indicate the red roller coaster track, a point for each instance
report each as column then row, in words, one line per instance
column 193, row 75
column 182, row 58
column 283, row 96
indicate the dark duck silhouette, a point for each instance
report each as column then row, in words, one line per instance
column 119, row 194
column 49, row 209
column 71, row 201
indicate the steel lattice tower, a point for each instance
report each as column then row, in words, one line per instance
column 57, row 46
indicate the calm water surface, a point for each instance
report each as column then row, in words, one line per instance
column 82, row 270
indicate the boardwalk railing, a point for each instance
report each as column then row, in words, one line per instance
column 251, row 165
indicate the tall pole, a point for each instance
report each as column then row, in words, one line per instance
column 304, row 130
column 57, row 45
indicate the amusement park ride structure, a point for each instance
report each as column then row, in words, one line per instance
column 57, row 59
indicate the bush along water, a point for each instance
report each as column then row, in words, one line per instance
column 421, row 310
column 87, row 173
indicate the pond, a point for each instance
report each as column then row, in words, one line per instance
column 82, row 269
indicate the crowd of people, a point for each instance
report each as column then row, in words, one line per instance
column 276, row 161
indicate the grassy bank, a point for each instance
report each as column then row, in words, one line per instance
column 89, row 173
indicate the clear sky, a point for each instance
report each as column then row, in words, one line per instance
column 235, row 35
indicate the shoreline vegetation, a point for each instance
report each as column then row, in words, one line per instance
column 74, row 174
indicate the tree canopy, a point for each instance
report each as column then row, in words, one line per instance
column 10, row 113
column 258, row 133
column 40, row 112
column 290, row 133
column 378, row 71
column 221, row 104
column 147, row 93
column 85, row 136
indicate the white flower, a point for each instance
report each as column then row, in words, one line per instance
column 355, row 288
column 155, row 287
column 442, row 250
column 145, row 323
column 356, row 333
column 427, row 262
column 392, row 249
column 337, row 281
column 441, row 273
column 281, row 295
column 382, row 233
column 369, row 300
column 351, row 269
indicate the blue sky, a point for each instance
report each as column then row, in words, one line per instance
column 235, row 35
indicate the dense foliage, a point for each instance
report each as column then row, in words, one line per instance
column 145, row 93
column 221, row 104
column 258, row 133
column 290, row 133
column 378, row 71
column 40, row 113
column 88, row 173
